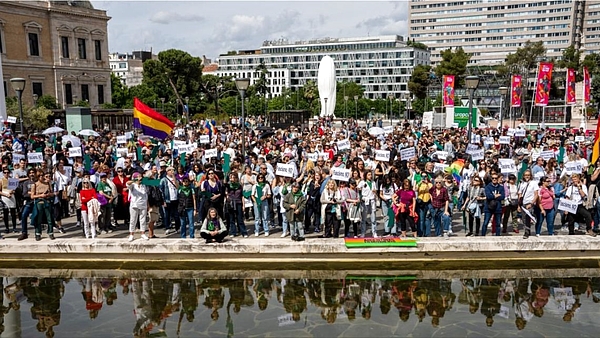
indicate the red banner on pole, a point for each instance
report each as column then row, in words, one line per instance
column 515, row 91
column 448, row 96
column 544, row 81
column 586, row 86
column 571, row 98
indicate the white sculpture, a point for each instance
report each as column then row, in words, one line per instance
column 326, row 83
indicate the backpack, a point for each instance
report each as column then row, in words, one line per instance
column 155, row 197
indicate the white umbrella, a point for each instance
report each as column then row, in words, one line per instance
column 88, row 132
column 376, row 131
column 75, row 141
column 53, row 130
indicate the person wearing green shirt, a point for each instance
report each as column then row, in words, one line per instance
column 105, row 190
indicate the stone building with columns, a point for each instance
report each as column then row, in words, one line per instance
column 59, row 47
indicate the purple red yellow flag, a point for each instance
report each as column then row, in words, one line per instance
column 152, row 123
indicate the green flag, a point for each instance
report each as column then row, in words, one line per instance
column 522, row 171
column 87, row 162
column 182, row 159
column 561, row 155
column 139, row 154
column 154, row 153
column 147, row 181
column 226, row 163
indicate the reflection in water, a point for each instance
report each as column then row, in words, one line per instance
column 297, row 303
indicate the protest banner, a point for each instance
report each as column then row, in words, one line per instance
column 209, row 153
column 75, row 152
column 35, row 157
column 382, row 155
column 340, row 174
column 285, row 169
column 407, row 153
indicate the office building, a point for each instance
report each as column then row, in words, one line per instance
column 59, row 47
column 382, row 65
column 491, row 29
column 129, row 67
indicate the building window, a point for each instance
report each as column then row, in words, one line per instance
column 2, row 51
column 100, row 94
column 64, row 47
column 37, row 89
column 122, row 65
column 98, row 49
column 85, row 93
column 81, row 48
column 34, row 44
column 68, row 94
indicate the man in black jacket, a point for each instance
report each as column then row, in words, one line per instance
column 155, row 201
column 23, row 191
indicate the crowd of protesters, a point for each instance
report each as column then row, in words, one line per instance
column 191, row 182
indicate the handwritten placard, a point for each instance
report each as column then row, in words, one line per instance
column 507, row 166
column 209, row 153
column 13, row 183
column 520, row 133
column 579, row 138
column 340, row 174
column 441, row 155
column 475, row 138
column 478, row 155
column 439, row 167
column 285, row 169
column 504, row 140
column 382, row 155
column 204, row 139
column 567, row 205
column 488, row 141
column 75, row 152
column 122, row 152
column 17, row 157
column 407, row 154
column 547, row 154
column 35, row 157
column 121, row 139
column 573, row 167
column 388, row 129
column 313, row 156
column 343, row 145
column 11, row 119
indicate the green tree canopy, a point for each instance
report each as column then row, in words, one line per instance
column 453, row 63
column 524, row 59
column 419, row 80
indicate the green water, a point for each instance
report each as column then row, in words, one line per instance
column 299, row 303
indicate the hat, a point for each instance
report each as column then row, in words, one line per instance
column 102, row 175
column 136, row 176
column 78, row 170
column 163, row 163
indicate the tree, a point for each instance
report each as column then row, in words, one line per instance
column 571, row 58
column 261, row 85
column 419, row 81
column 34, row 118
column 47, row 101
column 524, row 59
column 592, row 62
column 121, row 95
column 311, row 93
column 453, row 63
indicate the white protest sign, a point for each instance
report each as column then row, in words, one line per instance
column 579, row 138
column 567, row 205
column 454, row 125
column 539, row 175
column 343, row 144
column 488, row 141
column 439, row 167
column 340, row 174
column 382, row 155
column 13, row 183
column 11, row 119
column 325, row 156
column 388, row 129
column 285, row 169
column 68, row 170
column 407, row 154
column 204, row 139
column 504, row 140
column 75, row 152
column 511, row 132
column 186, row 148
column 133, row 155
column 177, row 143
column 208, row 153
column 121, row 139
column 472, row 147
column 573, row 168
column 475, row 138
column 35, row 157
column 17, row 157
column 520, row 133
column 507, row 166
column 129, row 135
column 478, row 155
column 547, row 154
column 441, row 155
column 313, row 156
column 122, row 152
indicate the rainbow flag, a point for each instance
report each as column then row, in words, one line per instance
column 152, row 123
column 455, row 169
column 379, row 242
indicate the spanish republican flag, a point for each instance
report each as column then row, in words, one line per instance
column 596, row 149
column 150, row 122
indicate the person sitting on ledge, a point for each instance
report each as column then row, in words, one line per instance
column 213, row 229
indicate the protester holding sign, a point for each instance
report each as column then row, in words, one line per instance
column 528, row 195
column 577, row 193
column 8, row 200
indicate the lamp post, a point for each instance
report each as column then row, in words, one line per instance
column 345, row 106
column 18, row 85
column 187, row 109
column 242, row 85
column 391, row 97
column 503, row 91
column 356, row 107
column 472, row 82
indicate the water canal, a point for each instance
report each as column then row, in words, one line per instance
column 296, row 303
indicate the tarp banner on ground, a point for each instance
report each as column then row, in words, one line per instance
column 515, row 91
column 544, row 80
column 448, row 90
column 570, row 92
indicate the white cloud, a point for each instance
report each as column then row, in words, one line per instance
column 165, row 17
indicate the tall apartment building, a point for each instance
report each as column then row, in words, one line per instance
column 129, row 67
column 382, row 65
column 491, row 29
column 59, row 47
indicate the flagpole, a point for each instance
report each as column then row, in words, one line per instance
column 510, row 111
column 537, row 74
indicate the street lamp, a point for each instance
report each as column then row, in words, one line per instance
column 503, row 91
column 345, row 105
column 472, row 82
column 356, row 107
column 391, row 97
column 242, row 85
column 18, row 85
column 187, row 109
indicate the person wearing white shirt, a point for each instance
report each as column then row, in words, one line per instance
column 528, row 190
column 368, row 188
column 138, row 205
column 577, row 193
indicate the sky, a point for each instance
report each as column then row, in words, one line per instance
column 211, row 28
